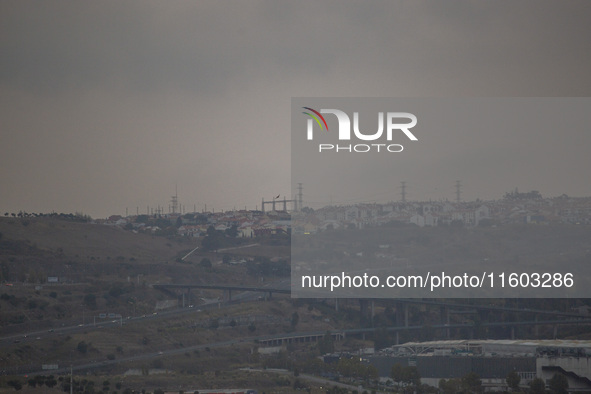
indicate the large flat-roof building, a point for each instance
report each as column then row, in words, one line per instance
column 492, row 360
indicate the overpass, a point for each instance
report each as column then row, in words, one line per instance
column 533, row 316
column 168, row 288
column 405, row 301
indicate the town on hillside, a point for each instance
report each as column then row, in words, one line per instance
column 513, row 208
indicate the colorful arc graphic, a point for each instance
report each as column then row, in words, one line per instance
column 316, row 118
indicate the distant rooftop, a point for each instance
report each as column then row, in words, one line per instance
column 503, row 346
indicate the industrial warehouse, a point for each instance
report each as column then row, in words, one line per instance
column 492, row 361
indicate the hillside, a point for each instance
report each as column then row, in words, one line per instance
column 105, row 270
column 85, row 241
column 100, row 268
column 197, row 338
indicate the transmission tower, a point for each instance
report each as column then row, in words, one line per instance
column 299, row 205
column 175, row 200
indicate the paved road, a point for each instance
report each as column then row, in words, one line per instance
column 97, row 323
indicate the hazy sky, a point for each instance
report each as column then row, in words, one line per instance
column 490, row 144
column 108, row 105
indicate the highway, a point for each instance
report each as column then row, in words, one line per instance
column 33, row 336
column 281, row 337
column 98, row 324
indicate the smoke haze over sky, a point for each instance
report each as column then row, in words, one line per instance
column 109, row 105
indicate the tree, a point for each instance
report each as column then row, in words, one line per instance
column 348, row 367
column 353, row 367
column 471, row 382
column 205, row 262
column 396, row 373
column 537, row 386
column 90, row 301
column 295, row 318
column 450, row 386
column 558, row 384
column 326, row 344
column 370, row 372
column 513, row 380
column 406, row 375
column 116, row 290
column 212, row 240
column 232, row 232
column 40, row 380
column 16, row 384
column 50, row 381
column 82, row 347
column 411, row 376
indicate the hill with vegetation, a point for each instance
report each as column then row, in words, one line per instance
column 199, row 340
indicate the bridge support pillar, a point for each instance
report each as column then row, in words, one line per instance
column 405, row 315
column 401, row 314
column 363, row 308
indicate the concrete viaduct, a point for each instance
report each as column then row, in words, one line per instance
column 367, row 306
